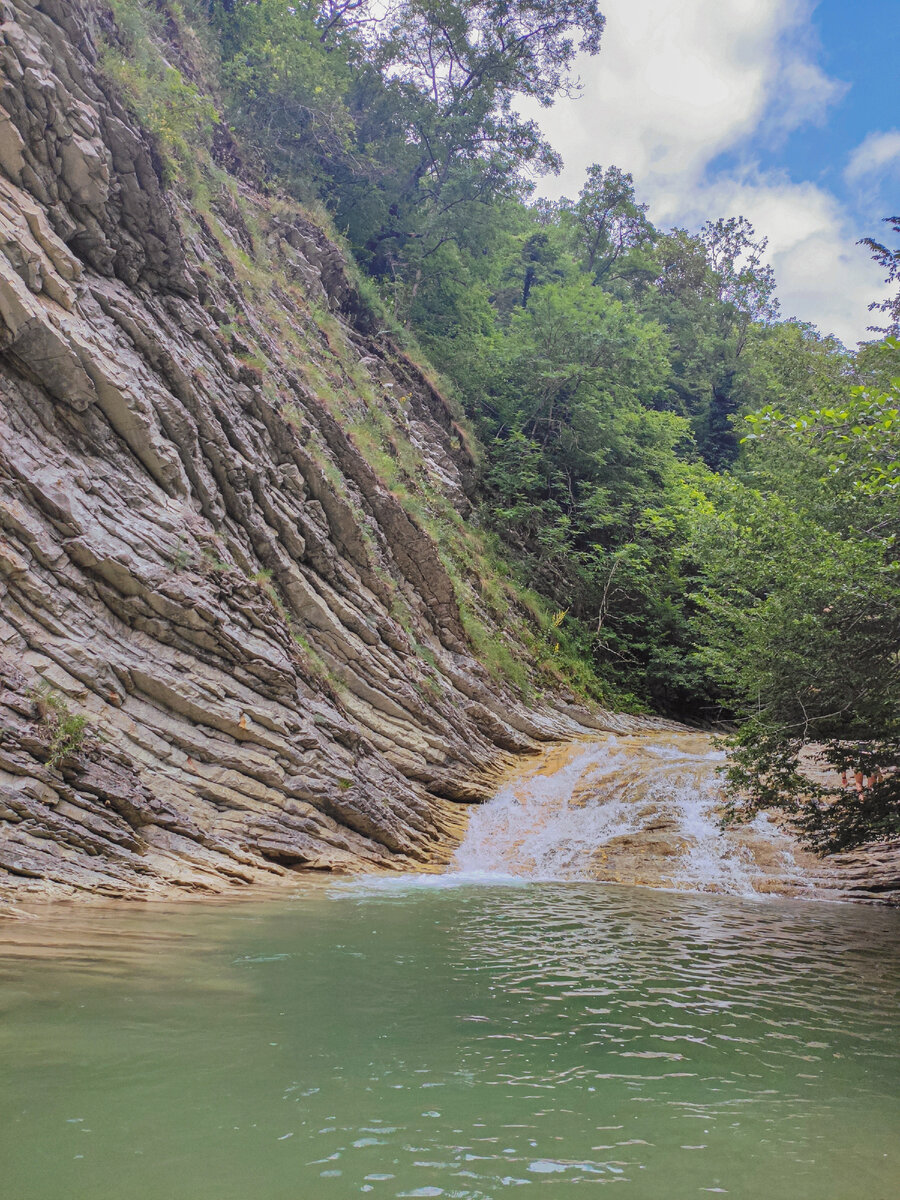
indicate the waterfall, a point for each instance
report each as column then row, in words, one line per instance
column 630, row 809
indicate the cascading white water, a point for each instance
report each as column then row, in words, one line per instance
column 627, row 809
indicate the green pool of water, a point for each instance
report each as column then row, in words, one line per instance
column 463, row 1041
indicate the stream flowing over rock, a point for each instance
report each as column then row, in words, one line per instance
column 644, row 808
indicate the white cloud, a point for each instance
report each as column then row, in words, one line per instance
column 876, row 152
column 801, row 95
column 823, row 275
column 678, row 84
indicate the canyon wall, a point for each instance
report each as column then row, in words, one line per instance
column 228, row 648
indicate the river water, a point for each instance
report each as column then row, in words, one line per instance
column 463, row 1036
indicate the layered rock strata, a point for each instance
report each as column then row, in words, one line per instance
column 228, row 650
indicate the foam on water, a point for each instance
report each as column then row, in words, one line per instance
column 531, row 828
column 367, row 886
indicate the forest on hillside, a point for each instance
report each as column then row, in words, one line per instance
column 707, row 493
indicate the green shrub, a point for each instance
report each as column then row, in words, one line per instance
column 67, row 729
column 172, row 110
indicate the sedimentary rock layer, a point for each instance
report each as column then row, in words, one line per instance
column 195, row 555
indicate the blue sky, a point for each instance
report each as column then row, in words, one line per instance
column 785, row 111
column 858, row 43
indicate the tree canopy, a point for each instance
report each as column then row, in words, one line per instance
column 889, row 259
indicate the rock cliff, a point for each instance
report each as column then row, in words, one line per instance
column 230, row 645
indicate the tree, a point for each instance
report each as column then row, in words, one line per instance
column 288, row 88
column 786, row 363
column 401, row 113
column 583, row 479
column 800, row 606
column 890, row 260
column 711, row 291
column 608, row 221
column 746, row 294
column 857, row 440
column 746, row 283
column 457, row 68
column 462, row 52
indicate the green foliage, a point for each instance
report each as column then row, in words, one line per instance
column 889, row 259
column 286, row 84
column 67, row 729
column 856, row 439
column 182, row 559
column 799, row 617
column 582, row 467
column 401, row 115
column 173, row 110
column 607, row 220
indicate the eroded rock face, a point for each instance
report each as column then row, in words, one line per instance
column 194, row 552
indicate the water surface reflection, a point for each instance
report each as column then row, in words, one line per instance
column 459, row 1041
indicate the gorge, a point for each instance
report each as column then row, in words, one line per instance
column 198, row 560
column 378, row 555
column 251, row 619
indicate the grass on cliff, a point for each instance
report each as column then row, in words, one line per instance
column 174, row 111
column 510, row 628
column 67, row 730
